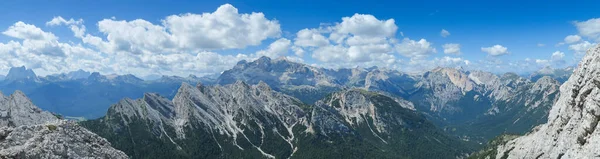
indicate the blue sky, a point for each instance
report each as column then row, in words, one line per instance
column 520, row 27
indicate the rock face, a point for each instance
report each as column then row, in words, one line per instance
column 58, row 139
column 253, row 121
column 28, row 132
column 572, row 128
column 17, row 110
column 305, row 82
column 79, row 74
column 20, row 73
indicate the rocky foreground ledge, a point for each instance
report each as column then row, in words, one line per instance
column 54, row 139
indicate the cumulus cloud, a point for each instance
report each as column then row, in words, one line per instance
column 224, row 28
column 572, row 39
column 496, row 50
column 21, row 30
column 299, row 51
column 34, row 40
column 179, row 45
column 556, row 60
column 451, row 61
column 444, row 33
column 415, row 49
column 361, row 39
column 42, row 51
column 56, row 21
column 542, row 62
column 582, row 47
column 310, row 37
column 451, row 48
column 330, row 53
column 589, row 28
column 557, row 56
column 367, row 26
column 76, row 26
column 276, row 49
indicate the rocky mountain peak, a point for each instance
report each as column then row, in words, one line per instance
column 263, row 86
column 96, row 76
column 572, row 128
column 547, row 80
column 79, row 74
column 357, row 106
column 159, row 103
column 263, row 60
column 20, row 73
column 457, row 77
column 483, row 78
column 127, row 78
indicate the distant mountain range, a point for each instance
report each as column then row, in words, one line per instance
column 85, row 94
column 474, row 105
column 560, row 74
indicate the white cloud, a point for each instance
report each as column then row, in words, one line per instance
column 542, row 62
column 223, row 29
column 41, row 51
column 298, row 51
column 366, row 25
column 451, row 48
column 444, row 33
column 56, row 21
column 76, row 26
column 572, row 39
column 35, row 40
column 589, row 28
column 557, row 56
column 556, row 60
column 20, row 30
column 331, row 53
column 358, row 40
column 415, row 49
column 137, row 37
column 354, row 54
column 310, row 37
column 180, row 64
column 496, row 50
column 450, row 61
column 140, row 47
column 582, row 47
column 541, row 44
column 276, row 49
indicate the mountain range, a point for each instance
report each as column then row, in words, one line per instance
column 276, row 108
column 454, row 99
column 253, row 121
column 88, row 95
